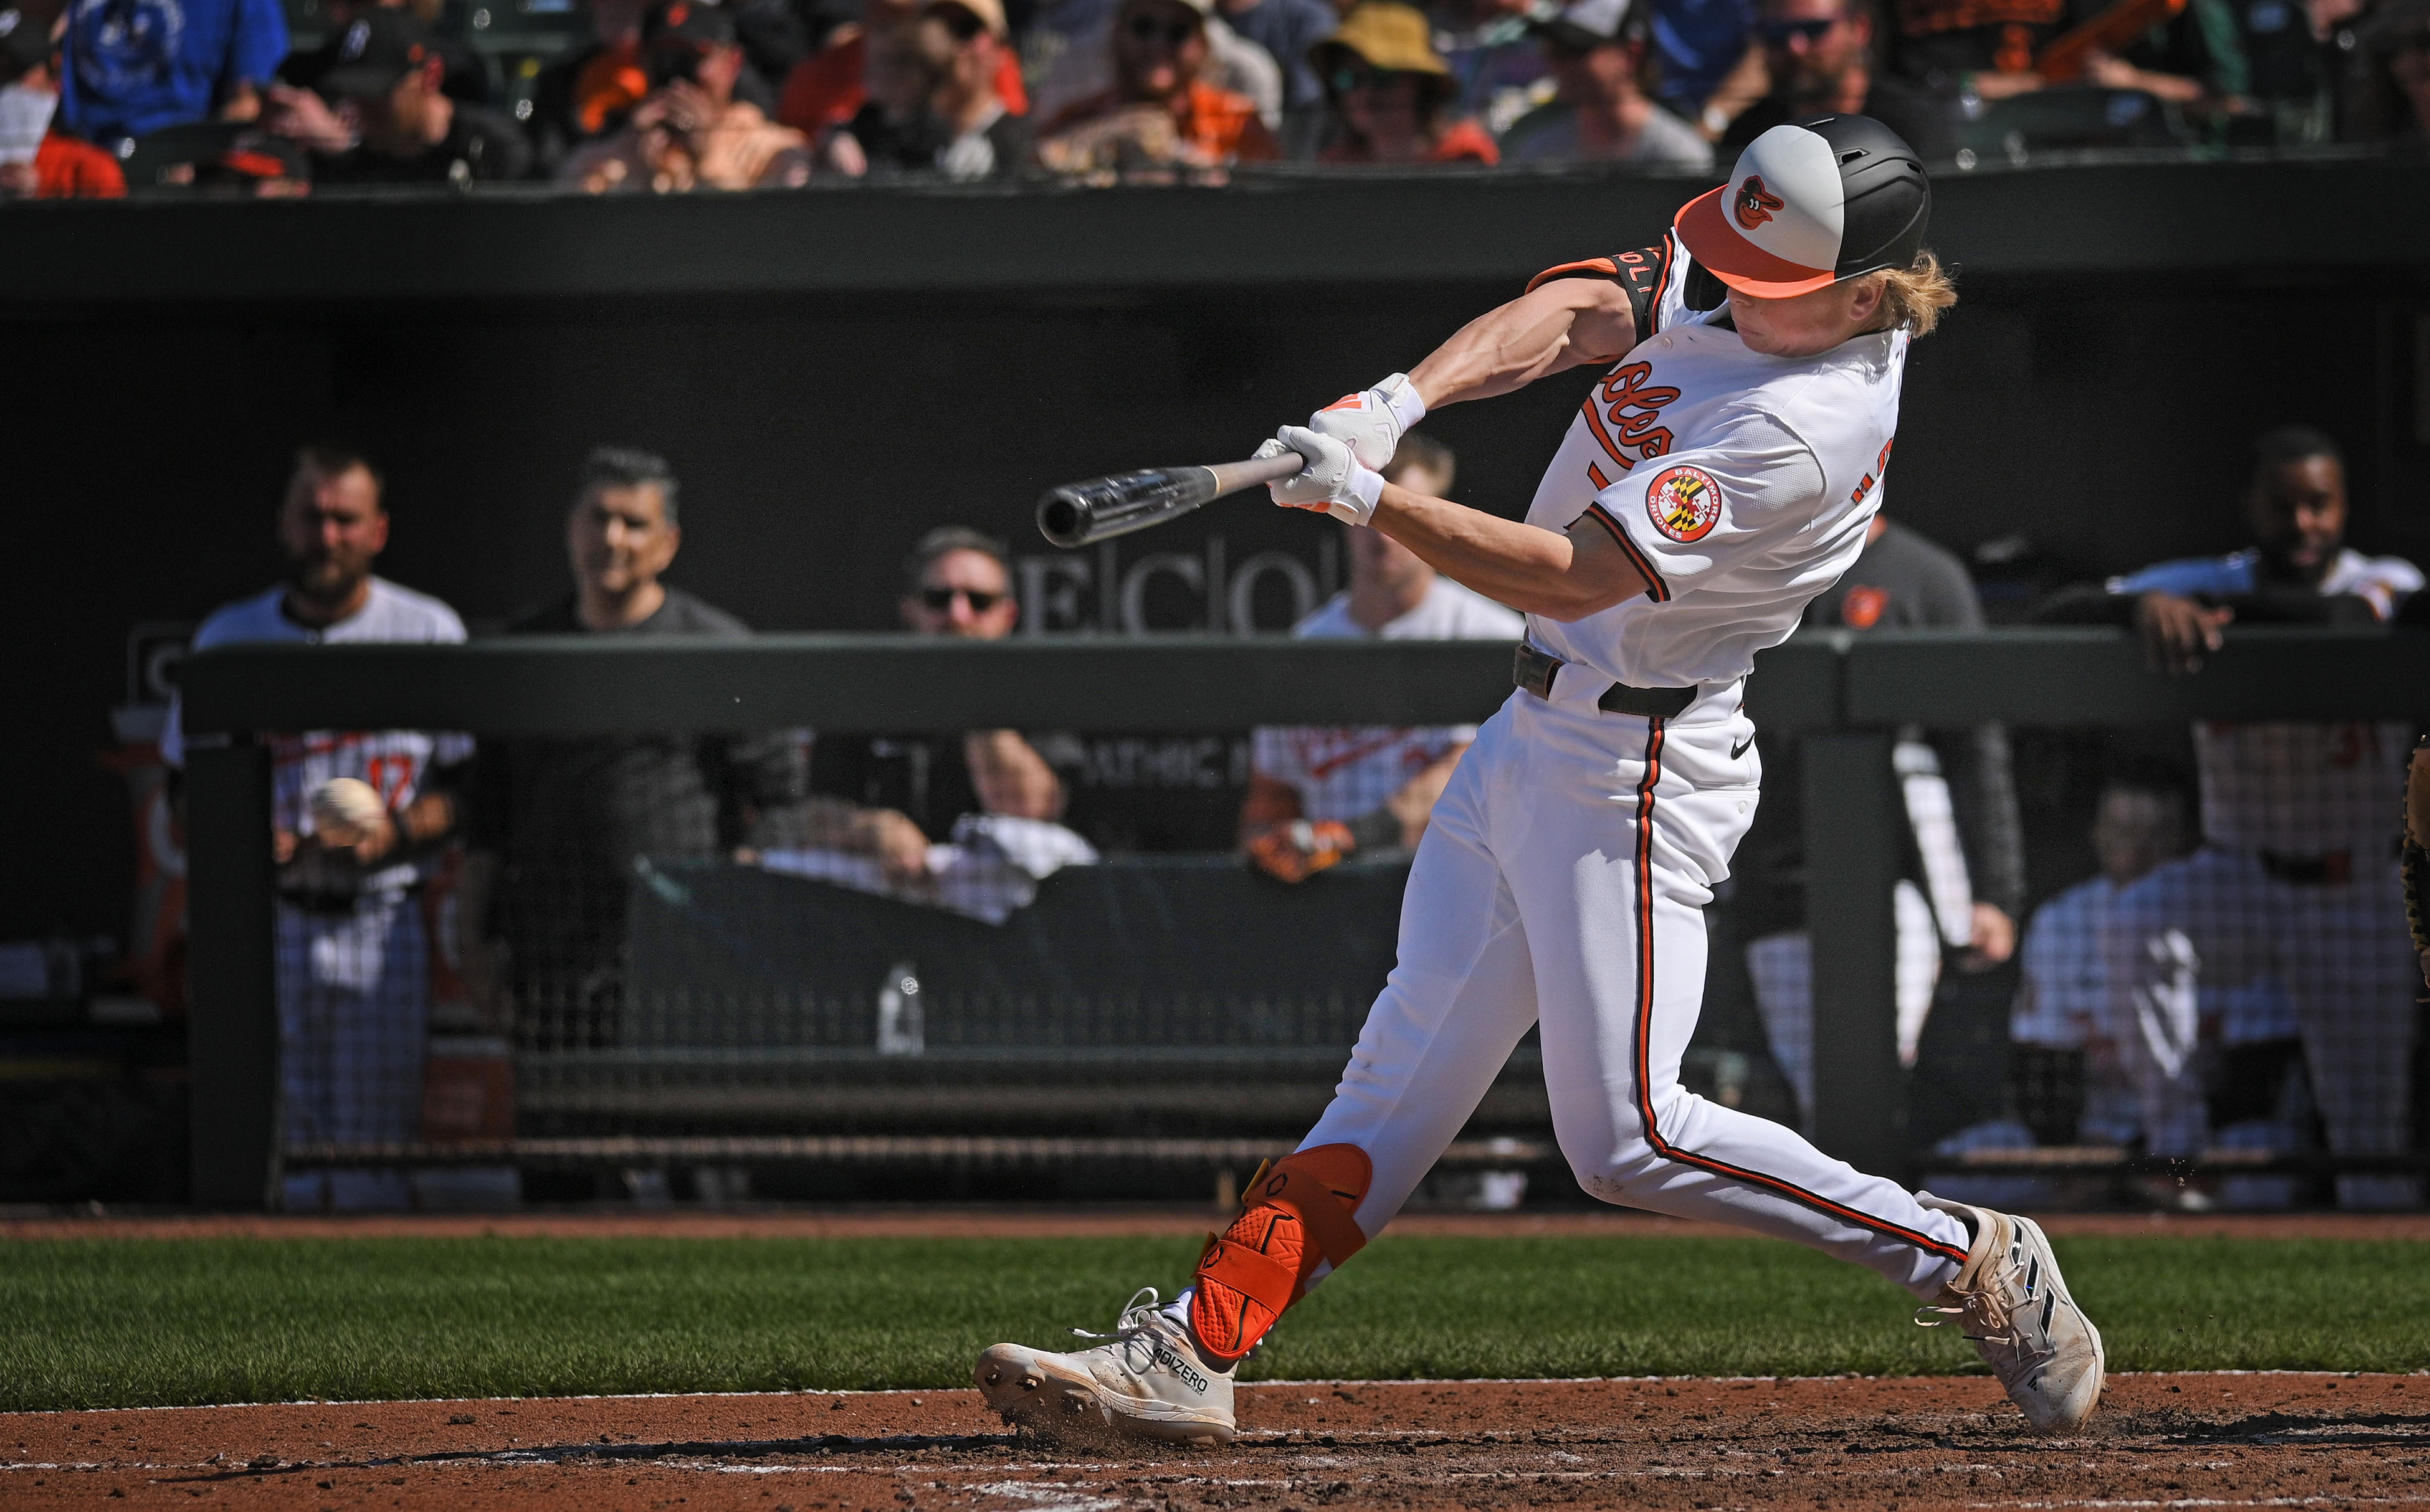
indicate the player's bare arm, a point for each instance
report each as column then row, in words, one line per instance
column 1565, row 576
column 1566, row 324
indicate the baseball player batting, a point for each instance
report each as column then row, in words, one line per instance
column 1719, row 477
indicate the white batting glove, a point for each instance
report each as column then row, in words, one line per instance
column 1372, row 420
column 1331, row 480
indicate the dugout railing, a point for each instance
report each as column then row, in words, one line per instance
column 1843, row 696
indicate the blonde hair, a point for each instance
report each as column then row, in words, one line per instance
column 1914, row 296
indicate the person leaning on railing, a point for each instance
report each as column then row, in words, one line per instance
column 2290, row 920
column 908, row 789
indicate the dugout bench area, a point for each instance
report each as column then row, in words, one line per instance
column 1173, row 1011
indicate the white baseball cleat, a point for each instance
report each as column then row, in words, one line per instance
column 1147, row 1380
column 2011, row 1302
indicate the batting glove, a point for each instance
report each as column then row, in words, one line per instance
column 1331, row 480
column 1372, row 420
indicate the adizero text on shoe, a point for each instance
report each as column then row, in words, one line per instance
column 1145, row 1380
column 2011, row 1301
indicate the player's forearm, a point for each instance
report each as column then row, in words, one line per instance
column 1532, row 570
column 1011, row 776
column 1564, row 323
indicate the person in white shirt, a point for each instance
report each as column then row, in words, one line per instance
column 353, row 962
column 1319, row 794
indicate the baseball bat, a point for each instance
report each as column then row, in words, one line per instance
column 1078, row 514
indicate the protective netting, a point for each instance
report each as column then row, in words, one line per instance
column 634, row 953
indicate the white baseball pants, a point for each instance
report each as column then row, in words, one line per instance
column 1561, row 880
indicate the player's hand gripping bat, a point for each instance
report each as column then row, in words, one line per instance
column 1096, row 509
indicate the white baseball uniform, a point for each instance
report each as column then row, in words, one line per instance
column 353, row 972
column 1347, row 772
column 2289, row 921
column 1561, row 878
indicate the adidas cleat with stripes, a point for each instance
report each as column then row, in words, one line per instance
column 1145, row 1380
column 2011, row 1304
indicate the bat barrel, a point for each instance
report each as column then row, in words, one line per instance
column 1078, row 514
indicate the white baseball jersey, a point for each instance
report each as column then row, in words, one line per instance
column 1346, row 772
column 394, row 763
column 2295, row 790
column 1740, row 484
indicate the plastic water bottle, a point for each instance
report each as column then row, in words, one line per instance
column 899, row 1030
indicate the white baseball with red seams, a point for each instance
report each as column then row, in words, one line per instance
column 1561, row 879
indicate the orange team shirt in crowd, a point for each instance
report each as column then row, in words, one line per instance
column 825, row 88
column 1218, row 123
column 610, row 83
column 1465, row 142
column 65, row 168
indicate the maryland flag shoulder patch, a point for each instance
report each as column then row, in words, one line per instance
column 1685, row 503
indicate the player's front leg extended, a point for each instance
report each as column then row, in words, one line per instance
column 1165, row 1371
column 1458, row 999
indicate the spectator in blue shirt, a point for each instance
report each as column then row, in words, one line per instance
column 134, row 67
column 1696, row 46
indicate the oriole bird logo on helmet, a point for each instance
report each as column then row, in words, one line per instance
column 1755, row 203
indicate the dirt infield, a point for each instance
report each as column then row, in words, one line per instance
column 2161, row 1440
column 1080, row 1222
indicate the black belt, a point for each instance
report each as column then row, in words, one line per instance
column 1534, row 670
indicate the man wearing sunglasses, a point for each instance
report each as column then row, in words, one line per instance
column 956, row 584
column 1820, row 57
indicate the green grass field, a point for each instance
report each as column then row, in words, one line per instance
column 90, row 1323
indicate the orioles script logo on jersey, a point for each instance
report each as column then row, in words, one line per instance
column 1755, row 203
column 1685, row 503
column 1620, row 412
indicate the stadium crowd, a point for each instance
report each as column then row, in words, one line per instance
column 246, row 96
